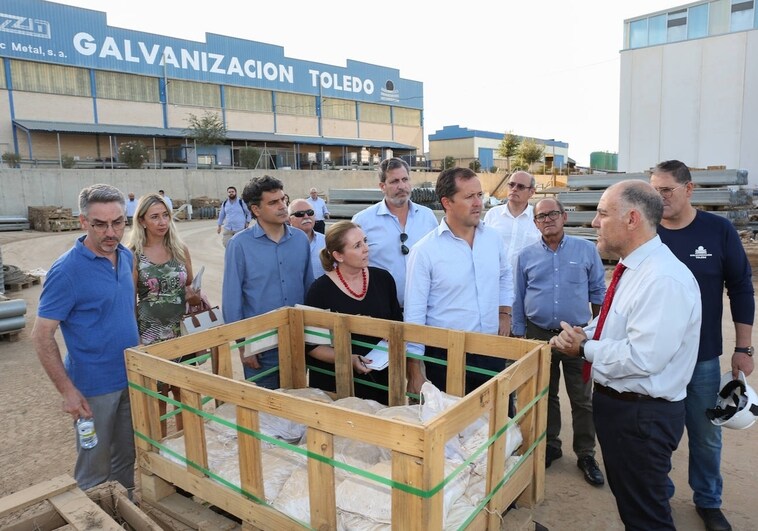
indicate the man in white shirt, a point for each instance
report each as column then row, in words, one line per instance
column 394, row 224
column 302, row 217
column 131, row 208
column 459, row 276
column 167, row 200
column 515, row 219
column 643, row 347
column 319, row 208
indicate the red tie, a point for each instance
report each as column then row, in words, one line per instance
column 620, row 268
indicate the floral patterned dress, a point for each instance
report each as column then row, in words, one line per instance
column 160, row 299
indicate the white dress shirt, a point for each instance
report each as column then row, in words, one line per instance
column 319, row 208
column 453, row 285
column 382, row 228
column 650, row 339
column 517, row 232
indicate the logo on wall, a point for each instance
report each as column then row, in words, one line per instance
column 389, row 92
column 24, row 26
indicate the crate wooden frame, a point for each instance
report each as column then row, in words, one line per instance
column 417, row 450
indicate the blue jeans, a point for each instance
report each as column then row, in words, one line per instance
column 704, row 438
column 113, row 457
column 267, row 360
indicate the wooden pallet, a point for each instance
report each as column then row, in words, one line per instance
column 60, row 504
column 11, row 336
column 28, row 282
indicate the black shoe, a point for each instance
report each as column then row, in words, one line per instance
column 551, row 454
column 592, row 473
column 714, row 519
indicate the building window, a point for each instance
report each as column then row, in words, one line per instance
column 129, row 87
column 193, row 93
column 657, row 32
column 51, row 79
column 676, row 25
column 371, row 112
column 338, row 109
column 297, row 104
column 409, row 117
column 638, row 33
column 245, row 99
column 697, row 21
column 743, row 15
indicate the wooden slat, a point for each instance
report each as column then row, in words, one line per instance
column 456, row 363
column 81, row 512
column 35, row 493
column 408, row 510
column 343, row 360
column 194, row 433
column 496, row 452
column 321, row 485
column 297, row 350
column 397, row 367
column 251, row 470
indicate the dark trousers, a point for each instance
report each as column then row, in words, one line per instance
column 320, row 226
column 579, row 393
column 437, row 374
column 637, row 440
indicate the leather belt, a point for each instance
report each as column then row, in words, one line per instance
column 626, row 396
column 556, row 331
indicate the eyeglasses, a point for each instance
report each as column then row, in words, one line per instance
column 404, row 248
column 303, row 213
column 102, row 226
column 518, row 186
column 553, row 214
column 666, row 193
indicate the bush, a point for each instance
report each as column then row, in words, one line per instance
column 493, row 169
column 67, row 161
column 133, row 154
column 449, row 162
column 475, row 165
column 12, row 159
column 249, row 157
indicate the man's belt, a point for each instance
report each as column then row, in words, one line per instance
column 626, row 396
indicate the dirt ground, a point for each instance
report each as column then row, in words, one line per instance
column 37, row 439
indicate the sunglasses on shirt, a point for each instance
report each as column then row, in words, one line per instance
column 303, row 213
column 404, row 248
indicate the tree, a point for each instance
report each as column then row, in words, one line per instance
column 509, row 147
column 530, row 152
column 206, row 130
column 449, row 162
column 475, row 165
column 12, row 159
column 249, row 157
column 133, row 154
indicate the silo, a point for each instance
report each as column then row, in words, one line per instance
column 604, row 160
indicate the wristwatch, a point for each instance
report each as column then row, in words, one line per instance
column 581, row 348
column 745, row 350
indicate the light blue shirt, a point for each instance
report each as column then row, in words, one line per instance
column 382, row 228
column 554, row 286
column 319, row 208
column 452, row 285
column 261, row 275
column 234, row 215
column 131, row 207
column 317, row 243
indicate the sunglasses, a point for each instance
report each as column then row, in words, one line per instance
column 404, row 248
column 518, row 186
column 303, row 213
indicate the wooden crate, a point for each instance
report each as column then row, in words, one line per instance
column 417, row 450
column 60, row 504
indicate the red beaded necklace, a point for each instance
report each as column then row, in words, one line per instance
column 347, row 287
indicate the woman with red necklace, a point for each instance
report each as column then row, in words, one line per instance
column 351, row 286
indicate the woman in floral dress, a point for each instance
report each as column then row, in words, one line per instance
column 162, row 277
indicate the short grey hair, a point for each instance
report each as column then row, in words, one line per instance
column 100, row 193
column 645, row 198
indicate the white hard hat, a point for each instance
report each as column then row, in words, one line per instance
column 736, row 405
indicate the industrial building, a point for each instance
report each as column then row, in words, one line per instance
column 467, row 145
column 689, row 76
column 73, row 86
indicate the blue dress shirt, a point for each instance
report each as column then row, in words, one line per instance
column 453, row 285
column 382, row 228
column 261, row 275
column 554, row 286
column 234, row 215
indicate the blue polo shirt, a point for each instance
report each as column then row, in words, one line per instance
column 94, row 303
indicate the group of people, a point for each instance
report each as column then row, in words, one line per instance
column 650, row 341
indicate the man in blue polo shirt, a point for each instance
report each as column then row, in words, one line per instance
column 89, row 293
column 233, row 216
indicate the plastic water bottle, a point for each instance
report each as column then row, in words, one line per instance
column 86, row 430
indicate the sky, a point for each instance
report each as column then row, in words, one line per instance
column 541, row 68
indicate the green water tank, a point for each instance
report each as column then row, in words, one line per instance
column 603, row 160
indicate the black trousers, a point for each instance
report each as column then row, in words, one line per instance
column 637, row 440
column 320, row 226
